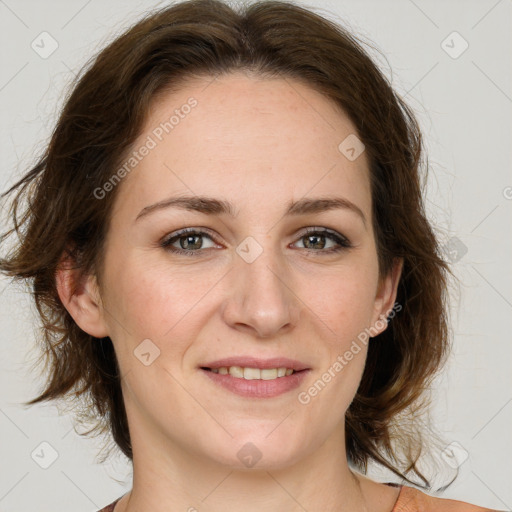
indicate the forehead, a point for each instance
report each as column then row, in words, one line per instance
column 247, row 139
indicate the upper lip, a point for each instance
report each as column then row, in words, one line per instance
column 255, row 362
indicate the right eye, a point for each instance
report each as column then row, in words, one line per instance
column 190, row 241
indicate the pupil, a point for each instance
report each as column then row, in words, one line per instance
column 314, row 237
column 188, row 243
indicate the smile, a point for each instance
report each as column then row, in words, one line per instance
column 256, row 382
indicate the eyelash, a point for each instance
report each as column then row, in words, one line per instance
column 342, row 241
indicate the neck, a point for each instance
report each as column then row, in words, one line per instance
column 179, row 479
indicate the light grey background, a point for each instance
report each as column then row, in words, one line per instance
column 464, row 106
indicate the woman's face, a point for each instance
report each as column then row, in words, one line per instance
column 250, row 282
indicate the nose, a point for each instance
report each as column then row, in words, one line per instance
column 261, row 300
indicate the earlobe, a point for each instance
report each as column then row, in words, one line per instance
column 386, row 295
column 80, row 296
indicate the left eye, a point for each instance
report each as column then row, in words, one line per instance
column 314, row 236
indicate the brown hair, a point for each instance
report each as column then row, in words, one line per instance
column 104, row 114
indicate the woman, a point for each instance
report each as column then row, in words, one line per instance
column 241, row 280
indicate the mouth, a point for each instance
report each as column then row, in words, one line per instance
column 260, row 383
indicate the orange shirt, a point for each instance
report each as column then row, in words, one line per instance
column 413, row 500
column 409, row 500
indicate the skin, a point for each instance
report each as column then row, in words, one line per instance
column 258, row 143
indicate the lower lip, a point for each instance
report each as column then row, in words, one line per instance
column 258, row 388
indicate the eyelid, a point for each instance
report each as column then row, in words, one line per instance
column 321, row 229
column 199, row 230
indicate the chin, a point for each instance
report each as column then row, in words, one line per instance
column 254, row 453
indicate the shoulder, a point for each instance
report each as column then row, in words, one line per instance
column 414, row 500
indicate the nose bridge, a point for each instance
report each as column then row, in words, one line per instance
column 266, row 272
column 261, row 297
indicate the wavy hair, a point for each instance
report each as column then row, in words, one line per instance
column 104, row 112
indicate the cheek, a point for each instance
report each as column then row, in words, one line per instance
column 151, row 301
column 344, row 314
column 147, row 303
column 344, row 298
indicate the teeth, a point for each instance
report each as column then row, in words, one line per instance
column 253, row 373
column 236, row 371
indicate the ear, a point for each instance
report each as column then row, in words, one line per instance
column 385, row 297
column 80, row 296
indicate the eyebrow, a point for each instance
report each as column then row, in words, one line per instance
column 213, row 206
